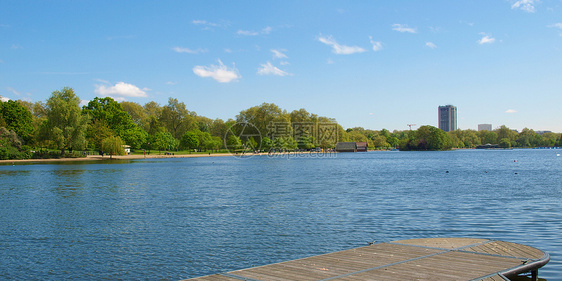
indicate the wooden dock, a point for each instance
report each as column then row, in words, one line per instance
column 415, row 259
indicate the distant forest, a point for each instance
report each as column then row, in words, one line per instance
column 59, row 127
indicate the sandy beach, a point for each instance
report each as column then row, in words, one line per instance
column 117, row 157
column 156, row 156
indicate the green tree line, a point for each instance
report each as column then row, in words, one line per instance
column 28, row 130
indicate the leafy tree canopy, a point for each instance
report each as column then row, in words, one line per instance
column 65, row 125
column 17, row 118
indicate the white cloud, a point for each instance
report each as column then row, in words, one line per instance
column 377, row 46
column 525, row 5
column 557, row 25
column 486, row 39
column 4, row 99
column 430, row 45
column 207, row 25
column 220, row 72
column 189, row 51
column 511, row 111
column 269, row 69
column 403, row 28
column 264, row 31
column 278, row 54
column 14, row 91
column 340, row 49
column 121, row 90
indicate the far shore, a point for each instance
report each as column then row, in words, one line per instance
column 148, row 156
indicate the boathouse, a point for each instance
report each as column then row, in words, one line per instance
column 346, row 147
column 351, row 147
column 362, row 146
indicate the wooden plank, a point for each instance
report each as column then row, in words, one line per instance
column 443, row 243
column 413, row 259
column 508, row 249
column 338, row 263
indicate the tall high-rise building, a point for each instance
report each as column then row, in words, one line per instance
column 482, row 127
column 447, row 118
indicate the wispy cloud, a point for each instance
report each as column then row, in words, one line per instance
column 189, row 51
column 264, row 31
column 269, row 69
column 486, row 39
column 121, row 90
column 340, row 49
column 206, row 25
column 511, row 111
column 525, row 5
column 220, row 72
column 14, row 91
column 430, row 45
column 377, row 46
column 278, row 54
column 126, row 37
column 557, row 25
column 403, row 28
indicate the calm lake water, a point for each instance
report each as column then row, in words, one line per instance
column 172, row 219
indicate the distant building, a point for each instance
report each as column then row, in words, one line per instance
column 346, row 147
column 362, row 146
column 482, row 127
column 447, row 116
column 543, row 132
column 351, row 146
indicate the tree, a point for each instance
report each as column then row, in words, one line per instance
column 218, row 128
column 189, row 140
column 380, row 141
column 111, row 113
column 204, row 139
column 487, row 137
column 97, row 132
column 164, row 141
column 17, row 118
column 427, row 138
column 152, row 124
column 113, row 146
column 136, row 111
column 505, row 143
column 232, row 143
column 177, row 119
column 65, row 125
column 505, row 133
column 268, row 118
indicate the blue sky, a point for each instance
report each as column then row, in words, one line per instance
column 374, row 64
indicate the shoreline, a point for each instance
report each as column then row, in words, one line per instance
column 115, row 157
column 153, row 156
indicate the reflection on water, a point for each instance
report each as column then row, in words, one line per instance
column 181, row 218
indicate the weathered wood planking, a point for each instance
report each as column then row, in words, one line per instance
column 414, row 259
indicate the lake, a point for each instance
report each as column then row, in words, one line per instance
column 177, row 218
